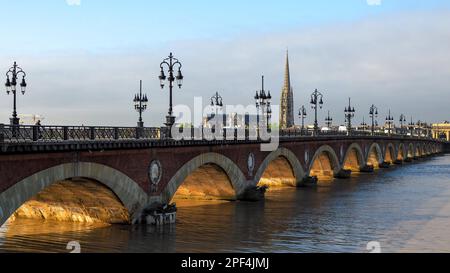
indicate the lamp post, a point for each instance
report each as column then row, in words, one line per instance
column 329, row 121
column 316, row 102
column 140, row 105
column 302, row 114
column 349, row 114
column 171, row 63
column 217, row 102
column 419, row 127
column 364, row 125
column 411, row 127
column 389, row 122
column 402, row 123
column 373, row 115
column 263, row 102
column 11, row 87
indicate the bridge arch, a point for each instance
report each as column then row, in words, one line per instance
column 325, row 163
column 389, row 153
column 289, row 156
column 374, row 155
column 410, row 153
column 354, row 158
column 417, row 150
column 424, row 149
column 401, row 152
column 430, row 149
column 234, row 174
column 128, row 191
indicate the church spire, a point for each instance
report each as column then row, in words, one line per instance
column 287, row 99
column 287, row 74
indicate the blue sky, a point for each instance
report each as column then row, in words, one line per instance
column 84, row 62
column 47, row 25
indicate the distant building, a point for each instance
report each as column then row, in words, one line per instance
column 232, row 120
column 287, row 100
column 441, row 130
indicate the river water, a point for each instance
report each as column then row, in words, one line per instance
column 404, row 209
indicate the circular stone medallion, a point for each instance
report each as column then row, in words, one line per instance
column 251, row 162
column 155, row 172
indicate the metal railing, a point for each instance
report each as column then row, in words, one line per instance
column 25, row 133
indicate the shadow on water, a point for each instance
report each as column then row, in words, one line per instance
column 341, row 216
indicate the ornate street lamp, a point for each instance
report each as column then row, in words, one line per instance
column 329, row 120
column 402, row 123
column 390, row 122
column 316, row 102
column 420, row 128
column 140, row 105
column 11, row 87
column 216, row 100
column 411, row 127
column 263, row 102
column 349, row 114
column 302, row 114
column 364, row 125
column 216, row 103
column 373, row 115
column 171, row 63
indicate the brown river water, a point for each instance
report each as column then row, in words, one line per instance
column 404, row 209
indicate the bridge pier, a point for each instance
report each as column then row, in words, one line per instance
column 385, row 165
column 398, row 162
column 308, row 181
column 367, row 169
column 343, row 174
column 253, row 194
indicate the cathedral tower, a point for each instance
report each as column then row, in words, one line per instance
column 287, row 100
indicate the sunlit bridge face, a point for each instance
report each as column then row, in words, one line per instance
column 373, row 159
column 279, row 173
column 400, row 154
column 322, row 168
column 76, row 200
column 209, row 182
column 352, row 161
column 389, row 157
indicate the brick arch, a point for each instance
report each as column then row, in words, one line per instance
column 359, row 154
column 391, row 148
column 411, row 151
column 128, row 191
column 424, row 149
column 296, row 166
column 375, row 146
column 401, row 150
column 417, row 150
column 334, row 160
column 428, row 147
column 233, row 172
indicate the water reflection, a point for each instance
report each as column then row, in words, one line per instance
column 392, row 207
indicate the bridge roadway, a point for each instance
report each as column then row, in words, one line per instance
column 140, row 166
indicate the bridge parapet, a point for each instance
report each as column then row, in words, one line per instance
column 24, row 133
column 23, row 139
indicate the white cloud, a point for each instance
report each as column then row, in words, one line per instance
column 73, row 2
column 373, row 2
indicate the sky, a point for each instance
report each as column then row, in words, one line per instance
column 84, row 59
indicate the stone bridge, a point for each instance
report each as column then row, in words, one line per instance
column 140, row 172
